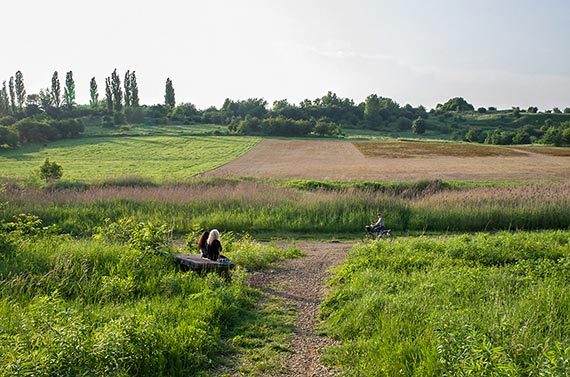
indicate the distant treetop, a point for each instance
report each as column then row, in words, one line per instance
column 458, row 104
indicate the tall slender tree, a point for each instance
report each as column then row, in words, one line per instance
column 109, row 94
column 93, row 93
column 169, row 98
column 20, row 90
column 4, row 100
column 127, row 85
column 69, row 91
column 56, row 90
column 12, row 94
column 134, row 90
column 117, row 91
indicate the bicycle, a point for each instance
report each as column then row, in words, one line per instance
column 370, row 234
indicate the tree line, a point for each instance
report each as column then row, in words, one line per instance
column 52, row 114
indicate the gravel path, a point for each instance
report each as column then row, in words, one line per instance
column 302, row 283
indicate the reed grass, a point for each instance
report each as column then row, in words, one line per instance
column 268, row 207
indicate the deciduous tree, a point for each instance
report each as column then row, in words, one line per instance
column 372, row 115
column 56, row 90
column 20, row 90
column 46, row 99
column 69, row 91
column 117, row 91
column 93, row 93
column 127, row 85
column 134, row 90
column 50, row 170
column 109, row 94
column 169, row 98
column 12, row 94
column 419, row 126
column 4, row 100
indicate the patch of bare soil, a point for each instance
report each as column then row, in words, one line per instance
column 302, row 283
column 339, row 160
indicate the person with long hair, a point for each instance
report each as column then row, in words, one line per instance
column 214, row 245
column 203, row 244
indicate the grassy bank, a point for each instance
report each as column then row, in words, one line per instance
column 466, row 305
column 303, row 208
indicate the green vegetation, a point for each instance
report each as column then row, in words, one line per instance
column 118, row 305
column 308, row 208
column 477, row 304
column 46, row 116
column 159, row 158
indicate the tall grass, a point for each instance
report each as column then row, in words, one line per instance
column 101, row 308
column 267, row 207
column 466, row 305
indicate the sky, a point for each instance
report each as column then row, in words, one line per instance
column 500, row 53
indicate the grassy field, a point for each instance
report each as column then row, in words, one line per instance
column 469, row 305
column 81, row 296
column 160, row 158
column 117, row 305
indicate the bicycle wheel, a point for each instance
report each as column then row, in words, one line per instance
column 367, row 237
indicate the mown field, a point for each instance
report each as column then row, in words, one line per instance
column 157, row 158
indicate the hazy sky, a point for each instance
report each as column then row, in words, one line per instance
column 491, row 52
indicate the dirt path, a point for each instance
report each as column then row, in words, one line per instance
column 302, row 283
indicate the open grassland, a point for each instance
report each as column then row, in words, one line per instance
column 156, row 130
column 396, row 161
column 303, row 208
column 117, row 305
column 160, row 158
column 480, row 304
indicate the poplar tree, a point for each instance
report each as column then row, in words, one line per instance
column 108, row 94
column 134, row 90
column 169, row 99
column 20, row 90
column 12, row 94
column 127, row 85
column 93, row 93
column 69, row 91
column 117, row 91
column 4, row 100
column 55, row 90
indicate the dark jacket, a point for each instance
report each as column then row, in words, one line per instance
column 214, row 250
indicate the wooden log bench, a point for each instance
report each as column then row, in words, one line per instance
column 195, row 262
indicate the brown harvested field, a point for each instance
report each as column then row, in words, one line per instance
column 341, row 160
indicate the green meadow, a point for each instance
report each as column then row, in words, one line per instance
column 159, row 158
column 475, row 282
column 468, row 305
